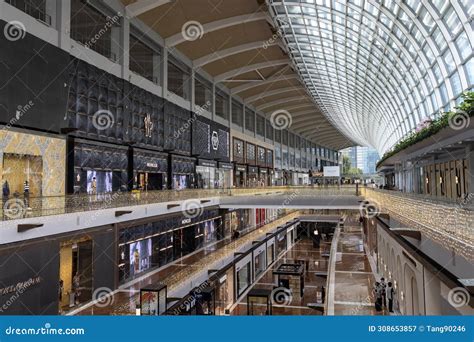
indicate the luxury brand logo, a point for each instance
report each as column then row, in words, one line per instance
column 21, row 286
column 215, row 140
column 148, row 125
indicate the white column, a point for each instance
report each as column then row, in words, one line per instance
column 120, row 45
column 63, row 24
column 164, row 73
column 192, row 96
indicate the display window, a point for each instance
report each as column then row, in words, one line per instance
column 99, row 182
column 259, row 261
column 206, row 177
column 271, row 251
column 140, row 253
column 243, row 278
column 281, row 242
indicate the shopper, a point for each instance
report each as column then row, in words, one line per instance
column 26, row 193
column 378, row 296
column 383, row 288
column 390, row 294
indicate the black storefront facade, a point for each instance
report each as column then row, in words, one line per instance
column 152, row 243
column 211, row 145
column 149, row 137
column 58, row 274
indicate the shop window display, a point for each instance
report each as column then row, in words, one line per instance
column 99, row 182
column 243, row 278
column 140, row 253
column 259, row 263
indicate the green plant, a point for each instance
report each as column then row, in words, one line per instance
column 467, row 106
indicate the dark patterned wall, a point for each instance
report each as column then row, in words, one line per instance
column 106, row 108
column 210, row 139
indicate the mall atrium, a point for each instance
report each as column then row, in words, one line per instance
column 183, row 157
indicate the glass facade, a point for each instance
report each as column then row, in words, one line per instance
column 377, row 68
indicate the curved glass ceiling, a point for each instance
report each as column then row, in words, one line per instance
column 378, row 67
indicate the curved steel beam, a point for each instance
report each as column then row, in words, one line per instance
column 273, row 93
column 271, row 80
column 142, row 6
column 212, row 26
column 252, row 67
column 216, row 55
column 282, row 101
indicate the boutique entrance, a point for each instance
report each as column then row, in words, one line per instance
column 75, row 273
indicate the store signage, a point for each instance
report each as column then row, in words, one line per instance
column 154, row 165
column 21, row 286
column 207, row 163
column 186, row 221
column 215, row 140
column 253, row 169
column 148, row 125
column 223, row 279
column 332, row 171
column 241, row 168
column 263, row 171
column 225, row 166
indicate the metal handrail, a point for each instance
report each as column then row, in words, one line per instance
column 19, row 207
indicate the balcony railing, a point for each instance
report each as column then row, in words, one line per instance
column 20, row 207
column 449, row 224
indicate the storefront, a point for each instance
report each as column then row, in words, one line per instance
column 253, row 177
column 224, row 175
column 206, row 174
column 98, row 168
column 278, row 178
column 240, row 176
column 149, row 170
column 264, row 176
column 182, row 172
column 39, row 160
column 225, row 294
column 154, row 244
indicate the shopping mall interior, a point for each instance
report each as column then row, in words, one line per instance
column 183, row 157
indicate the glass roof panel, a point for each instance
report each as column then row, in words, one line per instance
column 365, row 61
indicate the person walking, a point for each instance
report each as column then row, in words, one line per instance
column 383, row 288
column 390, row 294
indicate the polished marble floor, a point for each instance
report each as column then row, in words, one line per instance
column 353, row 278
column 177, row 275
